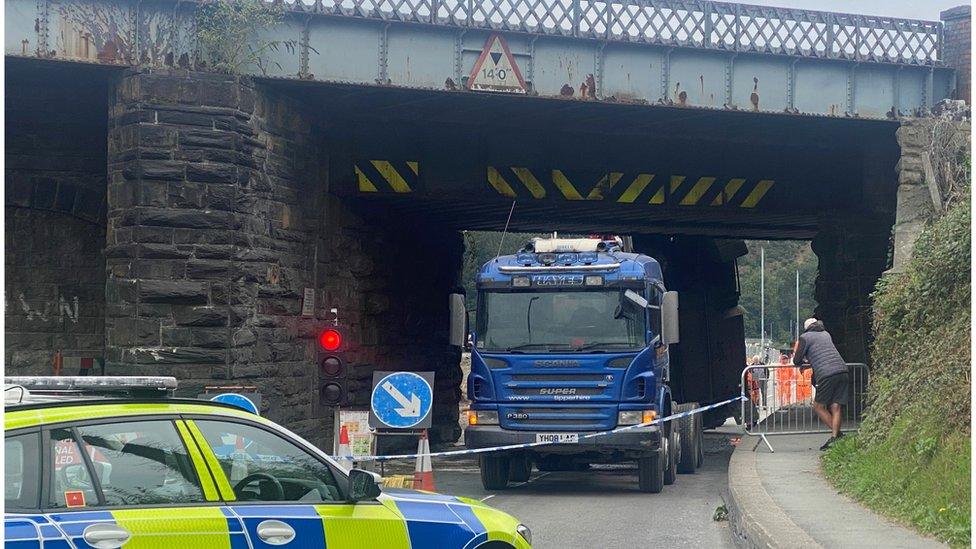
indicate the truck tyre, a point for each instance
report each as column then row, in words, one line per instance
column 688, row 428
column 671, row 456
column 494, row 471
column 650, row 473
column 701, row 443
column 519, row 468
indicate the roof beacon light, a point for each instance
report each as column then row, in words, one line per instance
column 566, row 245
column 81, row 384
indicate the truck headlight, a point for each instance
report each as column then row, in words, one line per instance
column 482, row 417
column 524, row 531
column 593, row 280
column 633, row 417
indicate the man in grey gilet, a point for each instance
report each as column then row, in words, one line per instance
column 830, row 376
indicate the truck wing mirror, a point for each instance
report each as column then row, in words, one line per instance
column 669, row 318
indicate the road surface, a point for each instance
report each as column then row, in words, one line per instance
column 602, row 507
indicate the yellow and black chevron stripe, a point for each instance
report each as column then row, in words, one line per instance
column 628, row 188
column 387, row 175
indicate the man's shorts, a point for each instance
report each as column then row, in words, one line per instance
column 833, row 389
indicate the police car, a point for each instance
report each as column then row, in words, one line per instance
column 109, row 462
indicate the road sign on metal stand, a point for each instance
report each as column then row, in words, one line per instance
column 401, row 400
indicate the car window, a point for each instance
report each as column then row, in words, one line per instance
column 71, row 483
column 140, row 463
column 21, row 474
column 262, row 466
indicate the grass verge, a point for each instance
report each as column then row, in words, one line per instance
column 916, row 475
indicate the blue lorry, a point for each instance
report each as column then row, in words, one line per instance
column 573, row 336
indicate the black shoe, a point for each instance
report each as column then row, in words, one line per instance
column 827, row 444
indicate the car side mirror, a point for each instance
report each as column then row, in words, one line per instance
column 363, row 485
column 669, row 318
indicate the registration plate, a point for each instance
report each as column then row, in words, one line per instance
column 558, row 438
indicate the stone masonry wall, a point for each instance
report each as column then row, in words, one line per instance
column 219, row 219
column 390, row 279
column 209, row 244
column 916, row 177
column 54, row 189
column 957, row 51
column 852, row 257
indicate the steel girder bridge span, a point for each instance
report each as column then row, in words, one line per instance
column 691, row 53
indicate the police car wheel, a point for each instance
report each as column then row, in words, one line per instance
column 650, row 473
column 519, row 468
column 494, row 471
column 688, row 427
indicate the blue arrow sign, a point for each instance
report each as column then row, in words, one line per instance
column 402, row 400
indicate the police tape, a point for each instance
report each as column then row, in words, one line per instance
column 524, row 445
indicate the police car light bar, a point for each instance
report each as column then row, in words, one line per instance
column 93, row 383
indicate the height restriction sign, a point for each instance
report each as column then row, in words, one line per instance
column 496, row 69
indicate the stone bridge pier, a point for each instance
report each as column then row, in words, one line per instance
column 172, row 223
column 220, row 220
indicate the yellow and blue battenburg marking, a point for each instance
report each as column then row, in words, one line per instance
column 401, row 519
column 627, row 187
column 184, row 527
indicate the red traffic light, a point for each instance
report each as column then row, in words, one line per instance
column 330, row 340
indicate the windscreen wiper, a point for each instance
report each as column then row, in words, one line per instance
column 594, row 345
column 525, row 346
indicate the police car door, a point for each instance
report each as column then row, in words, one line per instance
column 286, row 495
column 133, row 482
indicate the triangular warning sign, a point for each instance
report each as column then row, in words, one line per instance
column 496, row 69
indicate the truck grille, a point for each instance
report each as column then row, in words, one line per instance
column 558, row 391
column 553, row 386
column 558, row 418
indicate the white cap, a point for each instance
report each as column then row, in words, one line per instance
column 809, row 322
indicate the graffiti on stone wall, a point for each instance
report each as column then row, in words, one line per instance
column 61, row 309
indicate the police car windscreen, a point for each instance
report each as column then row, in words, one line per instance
column 559, row 321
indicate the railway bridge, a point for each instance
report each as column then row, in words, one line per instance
column 193, row 195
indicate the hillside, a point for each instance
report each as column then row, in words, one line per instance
column 911, row 460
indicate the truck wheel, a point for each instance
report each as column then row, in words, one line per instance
column 689, row 431
column 650, row 473
column 671, row 456
column 519, row 468
column 494, row 471
column 701, row 444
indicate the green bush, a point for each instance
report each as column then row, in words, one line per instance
column 911, row 459
column 921, row 350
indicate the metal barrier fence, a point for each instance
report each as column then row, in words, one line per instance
column 778, row 400
column 689, row 23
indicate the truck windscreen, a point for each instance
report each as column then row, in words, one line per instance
column 559, row 321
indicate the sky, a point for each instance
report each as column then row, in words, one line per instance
column 911, row 9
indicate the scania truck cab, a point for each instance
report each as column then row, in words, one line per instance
column 571, row 339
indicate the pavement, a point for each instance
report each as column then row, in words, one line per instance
column 781, row 499
column 602, row 507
